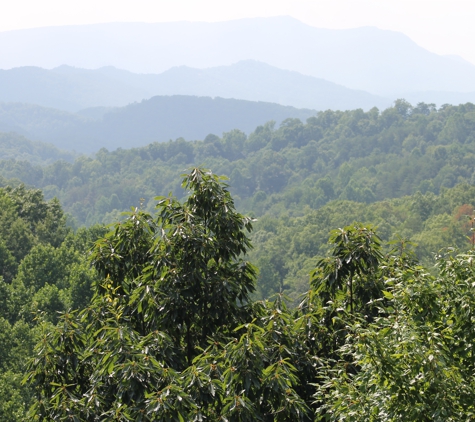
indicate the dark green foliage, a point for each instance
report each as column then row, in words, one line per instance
column 193, row 263
column 173, row 334
column 163, row 289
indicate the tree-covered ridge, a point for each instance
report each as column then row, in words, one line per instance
column 299, row 170
column 376, row 337
column 161, row 282
column 156, row 119
column 352, row 155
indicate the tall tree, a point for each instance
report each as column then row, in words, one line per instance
column 169, row 284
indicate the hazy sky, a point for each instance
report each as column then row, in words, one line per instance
column 441, row 26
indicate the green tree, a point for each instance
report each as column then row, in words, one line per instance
column 172, row 333
column 169, row 284
column 415, row 360
column 357, row 251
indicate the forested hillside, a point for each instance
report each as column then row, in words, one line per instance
column 18, row 148
column 250, row 220
column 352, row 155
column 294, row 170
column 159, row 261
column 285, row 248
column 396, row 275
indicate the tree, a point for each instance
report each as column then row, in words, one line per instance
column 170, row 283
column 190, row 254
column 356, row 252
column 415, row 360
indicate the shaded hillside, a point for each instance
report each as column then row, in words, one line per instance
column 256, row 81
column 69, row 91
column 41, row 123
column 155, row 120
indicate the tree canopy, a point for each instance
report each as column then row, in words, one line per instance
column 172, row 332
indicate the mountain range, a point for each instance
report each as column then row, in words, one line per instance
column 73, row 89
column 381, row 62
column 121, row 85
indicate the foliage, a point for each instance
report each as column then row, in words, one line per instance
column 18, row 148
column 172, row 332
column 184, row 263
column 285, row 249
column 170, row 283
column 352, row 155
column 356, row 252
column 43, row 269
column 415, row 361
column 336, row 168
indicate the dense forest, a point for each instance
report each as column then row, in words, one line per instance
column 44, row 270
column 398, row 165
column 218, row 316
column 352, row 155
column 18, row 148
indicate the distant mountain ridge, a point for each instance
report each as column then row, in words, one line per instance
column 73, row 89
column 158, row 119
column 70, row 90
column 378, row 61
column 257, row 81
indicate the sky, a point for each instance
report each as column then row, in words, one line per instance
column 440, row 26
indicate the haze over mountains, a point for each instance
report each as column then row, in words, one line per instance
column 127, row 84
column 381, row 62
column 73, row 89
